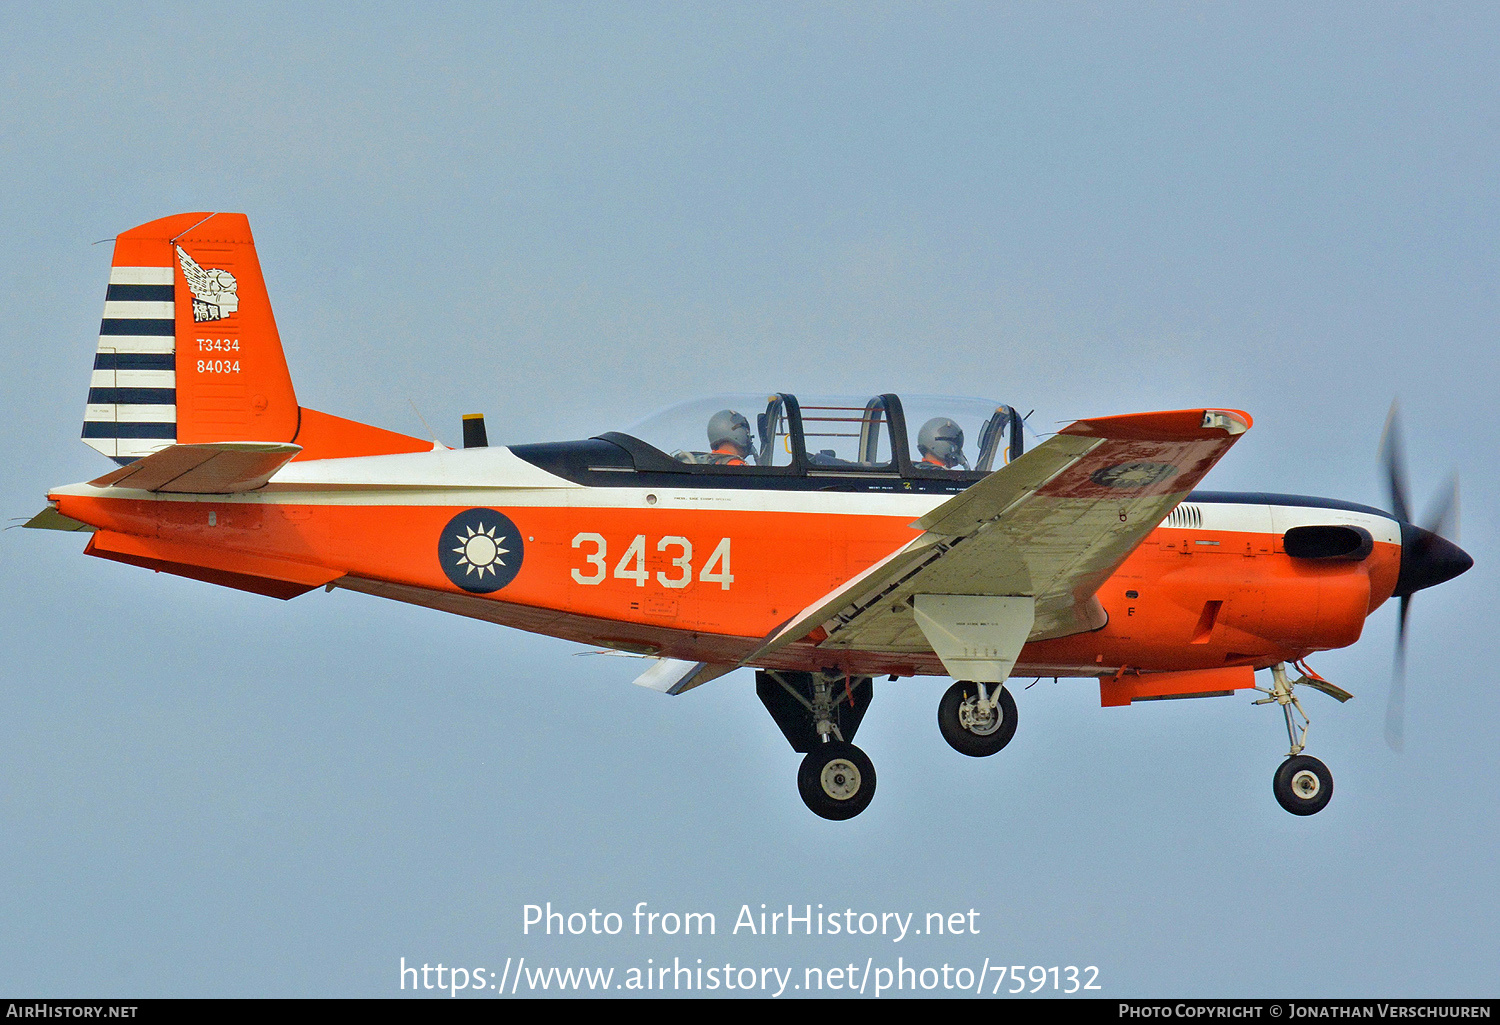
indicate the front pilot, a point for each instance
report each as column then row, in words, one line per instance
column 941, row 443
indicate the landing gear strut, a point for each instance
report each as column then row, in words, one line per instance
column 1303, row 785
column 977, row 719
column 818, row 714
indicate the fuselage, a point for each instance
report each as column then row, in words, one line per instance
column 585, row 545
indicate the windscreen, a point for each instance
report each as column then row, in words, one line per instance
column 719, row 430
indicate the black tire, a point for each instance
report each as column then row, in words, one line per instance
column 964, row 739
column 836, row 780
column 1303, row 785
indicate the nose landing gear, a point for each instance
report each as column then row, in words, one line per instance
column 1303, row 785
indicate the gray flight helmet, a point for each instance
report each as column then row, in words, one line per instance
column 727, row 425
column 944, row 440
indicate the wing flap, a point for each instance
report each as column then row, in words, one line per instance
column 211, row 468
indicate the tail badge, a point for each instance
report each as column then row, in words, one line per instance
column 215, row 292
column 480, row 550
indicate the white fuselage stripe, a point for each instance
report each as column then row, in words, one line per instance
column 1252, row 518
column 499, row 478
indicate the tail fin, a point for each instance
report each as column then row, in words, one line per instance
column 189, row 352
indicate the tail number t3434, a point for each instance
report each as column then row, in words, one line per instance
column 821, row 542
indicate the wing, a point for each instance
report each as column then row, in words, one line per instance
column 1019, row 555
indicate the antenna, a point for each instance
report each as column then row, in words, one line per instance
column 422, row 418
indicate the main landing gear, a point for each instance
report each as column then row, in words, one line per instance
column 818, row 714
column 977, row 719
column 836, row 780
column 1303, row 785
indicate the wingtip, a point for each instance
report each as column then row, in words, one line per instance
column 1230, row 421
column 1168, row 425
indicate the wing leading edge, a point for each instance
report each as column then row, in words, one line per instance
column 1019, row 556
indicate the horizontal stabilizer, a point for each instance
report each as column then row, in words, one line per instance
column 50, row 519
column 260, row 574
column 213, row 468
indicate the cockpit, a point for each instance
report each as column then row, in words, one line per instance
column 921, row 436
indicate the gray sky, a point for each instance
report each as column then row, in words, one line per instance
column 567, row 216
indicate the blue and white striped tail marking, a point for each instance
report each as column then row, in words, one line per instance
column 132, row 404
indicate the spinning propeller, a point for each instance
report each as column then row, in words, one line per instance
column 1427, row 559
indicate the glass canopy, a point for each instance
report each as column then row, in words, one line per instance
column 830, row 434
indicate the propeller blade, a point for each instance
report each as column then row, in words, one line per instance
column 1428, row 557
column 1442, row 515
column 1401, row 630
column 1395, row 713
column 1395, row 708
column 1394, row 458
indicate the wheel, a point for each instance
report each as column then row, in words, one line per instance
column 836, row 780
column 1303, row 785
column 966, row 729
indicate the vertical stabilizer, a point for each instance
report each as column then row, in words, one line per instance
column 189, row 352
column 188, row 349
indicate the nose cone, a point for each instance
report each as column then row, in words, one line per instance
column 1427, row 560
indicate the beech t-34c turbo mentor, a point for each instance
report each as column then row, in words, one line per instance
column 822, row 542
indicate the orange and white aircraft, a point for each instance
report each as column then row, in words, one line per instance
column 833, row 542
